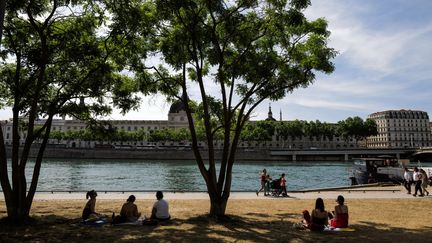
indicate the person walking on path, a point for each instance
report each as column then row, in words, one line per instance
column 417, row 177
column 263, row 179
column 267, row 185
column 407, row 180
column 425, row 182
column 282, row 182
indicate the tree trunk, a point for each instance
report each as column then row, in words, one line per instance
column 217, row 205
column 18, row 212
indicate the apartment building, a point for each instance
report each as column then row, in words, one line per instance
column 401, row 129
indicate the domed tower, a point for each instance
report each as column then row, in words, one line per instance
column 177, row 113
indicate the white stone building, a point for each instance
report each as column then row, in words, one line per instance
column 177, row 119
column 401, row 129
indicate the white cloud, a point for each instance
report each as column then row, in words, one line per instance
column 371, row 48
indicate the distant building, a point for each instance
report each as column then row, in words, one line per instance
column 177, row 119
column 400, row 129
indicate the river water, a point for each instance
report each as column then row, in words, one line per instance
column 133, row 175
column 136, row 175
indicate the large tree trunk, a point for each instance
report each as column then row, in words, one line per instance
column 218, row 205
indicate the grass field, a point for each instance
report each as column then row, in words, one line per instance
column 396, row 220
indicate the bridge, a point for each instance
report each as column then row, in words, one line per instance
column 423, row 154
column 340, row 154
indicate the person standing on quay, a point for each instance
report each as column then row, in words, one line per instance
column 417, row 177
column 425, row 182
column 263, row 179
column 407, row 180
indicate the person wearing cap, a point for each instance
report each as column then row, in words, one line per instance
column 129, row 211
column 340, row 219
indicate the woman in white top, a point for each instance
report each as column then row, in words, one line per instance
column 417, row 177
column 160, row 209
column 407, row 180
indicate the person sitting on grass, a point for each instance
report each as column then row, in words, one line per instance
column 128, row 213
column 319, row 218
column 340, row 219
column 160, row 209
column 129, row 210
column 89, row 212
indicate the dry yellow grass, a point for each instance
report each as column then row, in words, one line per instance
column 401, row 220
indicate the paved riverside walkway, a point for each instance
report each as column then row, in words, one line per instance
column 378, row 192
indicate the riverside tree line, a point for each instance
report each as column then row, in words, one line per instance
column 230, row 56
column 352, row 127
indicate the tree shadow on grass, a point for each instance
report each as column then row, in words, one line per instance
column 53, row 228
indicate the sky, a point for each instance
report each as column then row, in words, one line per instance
column 384, row 63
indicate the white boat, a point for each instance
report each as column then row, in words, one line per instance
column 382, row 169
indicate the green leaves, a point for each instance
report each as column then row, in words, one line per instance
column 357, row 128
column 52, row 60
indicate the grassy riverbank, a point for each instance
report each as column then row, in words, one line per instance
column 376, row 220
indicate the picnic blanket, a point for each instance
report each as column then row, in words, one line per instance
column 93, row 223
column 338, row 229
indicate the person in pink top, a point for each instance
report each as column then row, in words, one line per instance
column 282, row 183
column 340, row 219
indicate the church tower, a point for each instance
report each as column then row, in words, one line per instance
column 270, row 114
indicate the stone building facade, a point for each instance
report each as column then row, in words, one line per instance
column 401, row 129
column 177, row 119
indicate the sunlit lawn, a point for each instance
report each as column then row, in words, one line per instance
column 401, row 220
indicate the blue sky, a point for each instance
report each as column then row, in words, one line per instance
column 384, row 62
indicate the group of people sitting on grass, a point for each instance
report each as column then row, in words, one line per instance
column 129, row 211
column 320, row 219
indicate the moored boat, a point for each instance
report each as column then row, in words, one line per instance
column 381, row 169
column 373, row 170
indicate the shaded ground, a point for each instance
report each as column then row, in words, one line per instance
column 384, row 220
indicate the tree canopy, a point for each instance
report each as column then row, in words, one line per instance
column 81, row 57
column 58, row 58
column 235, row 54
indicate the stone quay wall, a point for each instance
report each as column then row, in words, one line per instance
column 242, row 154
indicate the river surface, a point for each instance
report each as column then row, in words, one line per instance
column 124, row 175
column 112, row 175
